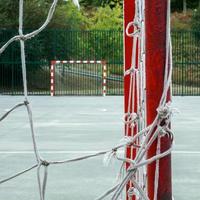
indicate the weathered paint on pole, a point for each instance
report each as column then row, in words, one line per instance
column 156, row 33
column 129, row 13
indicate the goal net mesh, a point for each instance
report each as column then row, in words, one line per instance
column 142, row 136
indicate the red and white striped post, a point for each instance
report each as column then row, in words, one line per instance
column 104, row 78
column 52, row 78
column 53, row 66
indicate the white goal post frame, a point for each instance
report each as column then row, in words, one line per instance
column 100, row 62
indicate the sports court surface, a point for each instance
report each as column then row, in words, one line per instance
column 68, row 127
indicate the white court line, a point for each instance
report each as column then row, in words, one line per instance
column 49, row 152
column 83, row 152
column 186, row 152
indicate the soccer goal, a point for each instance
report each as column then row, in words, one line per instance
column 77, row 77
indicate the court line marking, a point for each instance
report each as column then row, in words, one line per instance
column 83, row 152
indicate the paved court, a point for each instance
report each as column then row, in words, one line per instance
column 73, row 126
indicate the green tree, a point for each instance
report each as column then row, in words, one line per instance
column 196, row 23
column 35, row 12
column 106, row 18
column 98, row 3
column 183, row 5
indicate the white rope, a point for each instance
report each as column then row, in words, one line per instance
column 34, row 33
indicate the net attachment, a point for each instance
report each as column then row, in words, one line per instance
column 80, row 71
column 148, row 70
column 139, row 134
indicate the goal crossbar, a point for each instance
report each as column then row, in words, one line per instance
column 57, row 62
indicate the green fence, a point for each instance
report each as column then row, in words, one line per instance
column 89, row 45
column 186, row 60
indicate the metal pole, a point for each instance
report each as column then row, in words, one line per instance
column 129, row 12
column 156, row 20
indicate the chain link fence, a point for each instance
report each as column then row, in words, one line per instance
column 90, row 45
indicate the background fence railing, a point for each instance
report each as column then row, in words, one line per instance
column 91, row 45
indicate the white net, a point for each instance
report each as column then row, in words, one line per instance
column 144, row 136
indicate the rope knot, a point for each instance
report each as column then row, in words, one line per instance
column 131, row 71
column 137, row 26
column 131, row 119
column 26, row 102
column 23, row 37
column 45, row 163
column 132, row 192
column 137, row 23
column 164, row 111
column 162, row 131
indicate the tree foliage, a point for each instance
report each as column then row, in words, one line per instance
column 177, row 5
column 99, row 14
column 35, row 12
column 97, row 3
column 196, row 23
column 106, row 18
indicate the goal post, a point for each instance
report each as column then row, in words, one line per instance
column 149, row 31
column 156, row 36
column 129, row 12
column 79, row 68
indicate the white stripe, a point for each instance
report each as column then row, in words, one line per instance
column 52, row 81
column 79, row 61
column 52, row 67
column 186, row 152
column 52, row 87
column 104, row 74
column 52, row 74
column 84, row 152
column 52, row 152
column 104, row 67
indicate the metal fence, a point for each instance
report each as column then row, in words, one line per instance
column 90, row 45
column 186, row 59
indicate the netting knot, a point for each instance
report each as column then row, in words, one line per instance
column 131, row 71
column 162, row 131
column 132, row 192
column 137, row 23
column 26, row 102
column 23, row 37
column 45, row 163
column 164, row 111
column 131, row 119
column 137, row 26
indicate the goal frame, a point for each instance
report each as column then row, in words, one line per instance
column 155, row 42
column 100, row 62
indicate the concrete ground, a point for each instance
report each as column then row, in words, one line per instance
column 74, row 126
